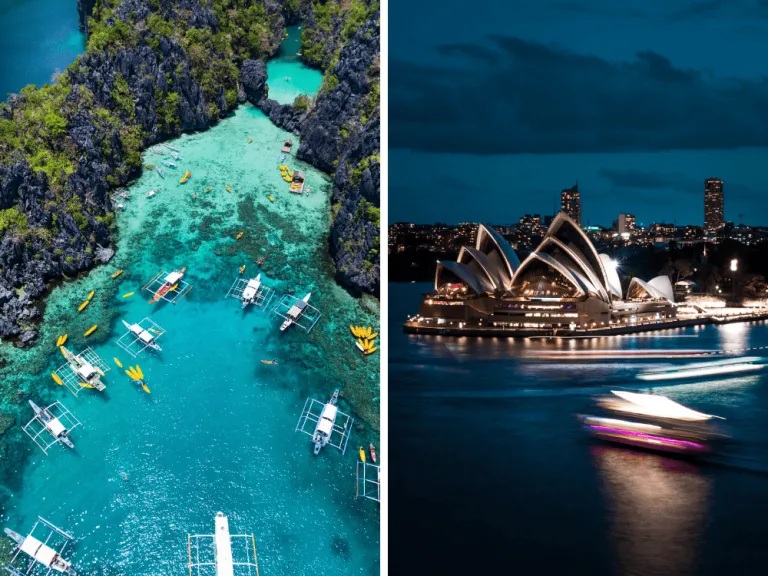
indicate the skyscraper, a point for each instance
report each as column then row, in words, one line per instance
column 625, row 224
column 713, row 204
column 570, row 203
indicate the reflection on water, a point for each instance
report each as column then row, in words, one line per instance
column 734, row 337
column 657, row 507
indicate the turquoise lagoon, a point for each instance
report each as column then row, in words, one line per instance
column 217, row 431
column 37, row 37
column 287, row 76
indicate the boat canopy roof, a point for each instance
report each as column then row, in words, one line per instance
column 325, row 426
column 85, row 370
column 173, row 277
column 329, row 411
column 661, row 406
column 39, row 551
column 146, row 336
column 55, row 426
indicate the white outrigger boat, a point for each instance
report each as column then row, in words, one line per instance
column 168, row 163
column 144, row 336
column 52, row 424
column 83, row 369
column 39, row 551
column 332, row 426
column 151, row 193
column 160, row 171
column 251, row 290
column 324, row 426
column 175, row 155
column 170, row 283
column 295, row 312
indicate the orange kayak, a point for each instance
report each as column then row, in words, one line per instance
column 269, row 361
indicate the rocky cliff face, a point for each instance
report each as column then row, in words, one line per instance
column 142, row 82
column 341, row 135
column 84, row 11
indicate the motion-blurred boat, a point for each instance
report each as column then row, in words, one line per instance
column 700, row 369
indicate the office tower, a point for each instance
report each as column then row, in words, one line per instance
column 713, row 204
column 570, row 203
column 625, row 224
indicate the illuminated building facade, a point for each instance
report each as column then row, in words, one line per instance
column 570, row 203
column 713, row 205
column 563, row 284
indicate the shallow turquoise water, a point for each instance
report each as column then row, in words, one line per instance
column 287, row 76
column 37, row 37
column 217, row 431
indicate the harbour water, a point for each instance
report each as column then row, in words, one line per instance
column 485, row 425
column 287, row 76
column 37, row 37
column 216, row 433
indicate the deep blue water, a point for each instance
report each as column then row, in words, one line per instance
column 490, row 472
column 37, row 37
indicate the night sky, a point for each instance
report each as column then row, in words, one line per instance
column 496, row 106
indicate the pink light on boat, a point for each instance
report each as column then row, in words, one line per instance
column 650, row 438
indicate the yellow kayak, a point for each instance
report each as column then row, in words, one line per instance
column 353, row 329
column 362, row 454
column 61, row 340
column 146, row 388
column 84, row 385
column 370, row 351
column 372, row 336
column 119, row 364
column 229, row 189
column 242, row 268
column 91, row 330
column 56, row 378
column 239, row 236
column 250, row 140
column 172, row 288
column 116, row 274
column 90, row 294
column 208, row 189
column 83, row 305
column 271, row 199
column 128, row 294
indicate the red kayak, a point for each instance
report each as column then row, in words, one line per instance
column 260, row 261
column 373, row 453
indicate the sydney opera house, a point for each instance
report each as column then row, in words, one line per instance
column 563, row 285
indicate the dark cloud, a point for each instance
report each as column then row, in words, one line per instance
column 709, row 9
column 539, row 99
column 590, row 10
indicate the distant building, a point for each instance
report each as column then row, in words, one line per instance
column 570, row 202
column 625, row 224
column 548, row 220
column 713, row 204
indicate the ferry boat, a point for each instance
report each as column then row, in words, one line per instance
column 86, row 371
column 53, row 424
column 251, row 290
column 145, row 336
column 171, row 280
column 325, row 423
column 41, row 553
column 295, row 312
column 653, row 422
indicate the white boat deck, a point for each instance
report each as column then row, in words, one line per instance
column 222, row 553
column 301, row 313
column 77, row 381
column 37, row 552
column 139, row 337
column 244, row 289
column 338, row 428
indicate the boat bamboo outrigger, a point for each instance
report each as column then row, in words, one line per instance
column 228, row 554
column 83, row 370
column 332, row 426
column 287, row 145
column 298, row 312
column 252, row 291
column 140, row 336
column 45, row 549
column 368, row 477
column 55, row 420
column 170, row 288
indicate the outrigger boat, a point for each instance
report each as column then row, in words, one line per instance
column 145, row 336
column 52, row 424
column 40, row 553
column 251, row 290
column 295, row 312
column 84, row 370
column 286, row 149
column 325, row 423
column 175, row 155
column 168, row 163
column 151, row 193
column 170, row 281
column 160, row 171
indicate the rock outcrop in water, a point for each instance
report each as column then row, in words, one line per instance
column 340, row 134
column 152, row 69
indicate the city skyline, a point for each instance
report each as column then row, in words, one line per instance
column 658, row 97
